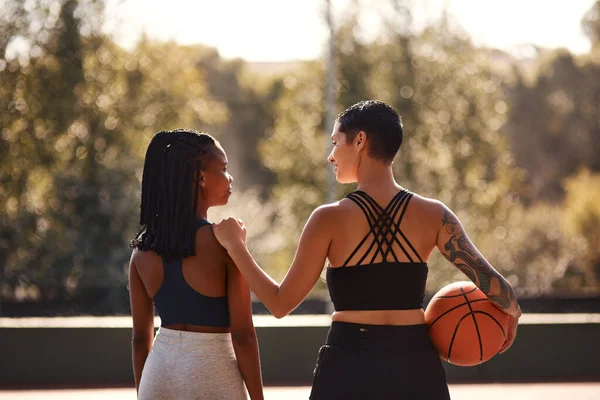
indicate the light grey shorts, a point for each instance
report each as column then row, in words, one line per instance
column 191, row 365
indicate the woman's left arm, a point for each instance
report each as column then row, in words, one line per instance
column 142, row 312
column 281, row 299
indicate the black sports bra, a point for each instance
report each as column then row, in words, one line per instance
column 386, row 285
column 178, row 303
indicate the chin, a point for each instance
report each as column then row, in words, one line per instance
column 344, row 179
column 226, row 199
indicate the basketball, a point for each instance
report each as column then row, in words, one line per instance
column 464, row 325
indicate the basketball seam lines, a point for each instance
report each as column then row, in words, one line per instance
column 454, row 334
column 493, row 319
column 476, row 326
column 452, row 309
column 455, row 295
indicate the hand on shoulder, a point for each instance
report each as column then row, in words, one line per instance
column 230, row 232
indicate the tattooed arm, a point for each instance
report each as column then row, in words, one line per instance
column 455, row 245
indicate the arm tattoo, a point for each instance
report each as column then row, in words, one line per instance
column 461, row 252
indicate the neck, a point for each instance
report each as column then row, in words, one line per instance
column 201, row 211
column 375, row 176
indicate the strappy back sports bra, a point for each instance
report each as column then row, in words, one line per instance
column 386, row 285
column 178, row 303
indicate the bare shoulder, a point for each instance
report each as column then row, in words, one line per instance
column 207, row 241
column 143, row 258
column 203, row 233
column 327, row 213
column 325, row 217
column 432, row 210
column 328, row 210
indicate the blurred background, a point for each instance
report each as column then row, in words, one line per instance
column 500, row 103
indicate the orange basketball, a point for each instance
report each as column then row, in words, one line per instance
column 464, row 325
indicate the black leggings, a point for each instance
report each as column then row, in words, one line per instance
column 373, row 362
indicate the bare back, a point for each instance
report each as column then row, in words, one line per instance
column 416, row 238
column 206, row 273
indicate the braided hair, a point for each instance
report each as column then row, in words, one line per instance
column 170, row 192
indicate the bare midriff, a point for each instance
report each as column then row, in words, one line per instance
column 197, row 328
column 381, row 317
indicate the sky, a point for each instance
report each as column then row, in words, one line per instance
column 285, row 30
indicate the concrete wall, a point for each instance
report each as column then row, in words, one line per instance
column 96, row 351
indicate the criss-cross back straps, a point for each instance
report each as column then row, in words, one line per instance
column 382, row 223
column 379, row 222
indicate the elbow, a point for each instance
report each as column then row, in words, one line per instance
column 140, row 340
column 280, row 309
column 280, row 312
column 244, row 338
column 279, row 315
column 279, row 306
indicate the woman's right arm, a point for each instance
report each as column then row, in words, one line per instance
column 142, row 311
column 243, row 334
column 303, row 274
column 455, row 245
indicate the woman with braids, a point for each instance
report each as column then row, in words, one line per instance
column 376, row 241
column 206, row 346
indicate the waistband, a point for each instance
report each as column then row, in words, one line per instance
column 397, row 337
column 172, row 335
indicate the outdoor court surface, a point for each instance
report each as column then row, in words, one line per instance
column 496, row 391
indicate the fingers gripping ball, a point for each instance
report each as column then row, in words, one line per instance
column 464, row 325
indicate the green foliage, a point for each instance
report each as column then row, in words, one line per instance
column 516, row 159
column 553, row 123
column 454, row 149
column 582, row 219
column 81, row 112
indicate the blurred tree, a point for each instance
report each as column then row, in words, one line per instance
column 295, row 151
column 454, row 149
column 397, row 66
column 553, row 123
column 251, row 115
column 81, row 112
column 61, row 218
column 591, row 25
column 352, row 61
column 582, row 220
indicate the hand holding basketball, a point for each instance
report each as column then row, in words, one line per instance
column 466, row 327
column 511, row 333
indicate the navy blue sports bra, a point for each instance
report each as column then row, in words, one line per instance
column 178, row 303
column 386, row 285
